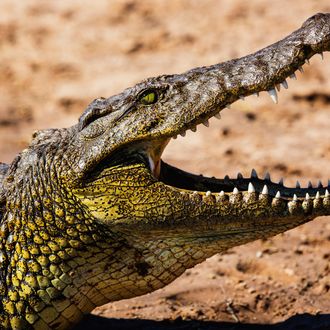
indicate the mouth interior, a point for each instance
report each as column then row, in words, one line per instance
column 186, row 181
column 180, row 179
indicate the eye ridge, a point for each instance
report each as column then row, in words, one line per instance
column 149, row 97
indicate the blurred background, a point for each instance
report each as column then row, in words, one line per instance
column 57, row 56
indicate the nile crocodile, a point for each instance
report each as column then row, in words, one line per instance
column 91, row 214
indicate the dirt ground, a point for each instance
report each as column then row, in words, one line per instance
column 56, row 57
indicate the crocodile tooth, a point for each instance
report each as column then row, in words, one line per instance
column 319, row 185
column 265, row 190
column 267, row 176
column 228, row 106
column 254, row 174
column 310, row 185
column 298, row 185
column 321, row 54
column 217, row 115
column 242, row 98
column 300, row 68
column 273, row 95
column 307, row 61
column 256, row 94
column 278, row 195
column 317, row 196
column 194, row 129
column 281, row 182
column 328, row 183
column 235, row 191
column 239, row 176
column 278, row 87
column 206, row 123
column 293, row 76
column 208, row 193
column 226, row 178
column 251, row 188
column 295, row 198
column 326, row 194
column 183, row 134
column 285, row 84
column 307, row 197
column 151, row 164
column 221, row 193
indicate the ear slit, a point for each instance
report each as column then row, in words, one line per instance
column 97, row 109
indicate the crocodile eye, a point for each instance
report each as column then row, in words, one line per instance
column 149, row 97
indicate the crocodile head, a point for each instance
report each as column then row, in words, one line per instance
column 121, row 178
column 92, row 214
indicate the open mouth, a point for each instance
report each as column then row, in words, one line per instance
column 198, row 184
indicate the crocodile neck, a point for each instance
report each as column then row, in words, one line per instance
column 55, row 258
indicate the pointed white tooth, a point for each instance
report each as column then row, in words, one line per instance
column 307, row 197
column 307, row 61
column 278, row 87
column 267, row 176
column 228, row 106
column 151, row 164
column 310, row 185
column 256, row 94
column 239, row 176
column 317, row 196
column 295, row 197
column 206, row 123
column 285, row 84
column 326, row 193
column 251, row 188
column 221, row 193
column 195, row 193
column 254, row 173
column 183, row 134
column 273, row 95
column 278, row 195
column 242, row 98
column 265, row 190
column 217, row 115
column 194, row 129
column 293, row 76
column 301, row 69
column 298, row 185
column 321, row 54
column 235, row 191
column 281, row 182
column 319, row 185
column 208, row 193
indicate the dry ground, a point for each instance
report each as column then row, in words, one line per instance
column 56, row 57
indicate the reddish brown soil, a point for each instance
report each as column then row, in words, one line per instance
column 55, row 57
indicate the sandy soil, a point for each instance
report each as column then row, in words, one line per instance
column 55, row 57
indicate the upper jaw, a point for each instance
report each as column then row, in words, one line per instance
column 211, row 89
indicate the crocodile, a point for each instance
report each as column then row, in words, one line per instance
column 91, row 214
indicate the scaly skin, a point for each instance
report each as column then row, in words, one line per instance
column 90, row 214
